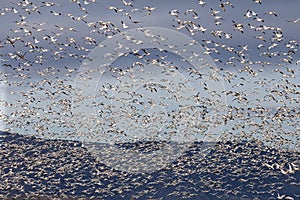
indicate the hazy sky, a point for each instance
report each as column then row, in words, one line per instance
column 160, row 17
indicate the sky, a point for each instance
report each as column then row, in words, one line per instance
column 40, row 103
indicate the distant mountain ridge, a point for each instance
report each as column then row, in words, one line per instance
column 33, row 168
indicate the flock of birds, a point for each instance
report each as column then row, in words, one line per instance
column 33, row 168
column 40, row 60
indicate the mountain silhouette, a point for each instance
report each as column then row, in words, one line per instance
column 34, row 168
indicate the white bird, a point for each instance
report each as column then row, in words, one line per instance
column 124, row 25
column 271, row 13
column 294, row 21
column 258, row 1
column 174, row 13
column 201, row 2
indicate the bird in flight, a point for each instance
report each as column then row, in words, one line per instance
column 294, row 21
